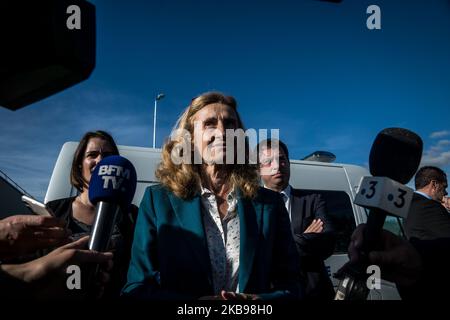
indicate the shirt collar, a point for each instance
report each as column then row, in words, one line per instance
column 231, row 196
column 204, row 190
column 423, row 194
column 232, row 201
column 287, row 191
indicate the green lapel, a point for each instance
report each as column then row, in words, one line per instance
column 189, row 216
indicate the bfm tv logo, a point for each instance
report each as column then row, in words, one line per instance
column 113, row 175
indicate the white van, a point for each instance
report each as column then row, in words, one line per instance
column 338, row 184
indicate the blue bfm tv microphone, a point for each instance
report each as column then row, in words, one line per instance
column 111, row 190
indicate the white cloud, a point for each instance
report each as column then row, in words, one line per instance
column 444, row 143
column 439, row 134
column 440, row 160
column 437, row 155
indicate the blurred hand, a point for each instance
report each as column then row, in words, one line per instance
column 50, row 271
column 73, row 253
column 22, row 234
column 316, row 226
column 399, row 262
column 227, row 295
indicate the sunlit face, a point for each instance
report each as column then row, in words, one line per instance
column 96, row 150
column 210, row 125
column 274, row 168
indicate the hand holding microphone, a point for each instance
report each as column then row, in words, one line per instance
column 398, row 259
column 111, row 190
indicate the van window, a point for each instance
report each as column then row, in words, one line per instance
column 340, row 211
column 394, row 225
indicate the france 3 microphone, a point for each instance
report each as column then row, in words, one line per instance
column 111, row 190
column 394, row 159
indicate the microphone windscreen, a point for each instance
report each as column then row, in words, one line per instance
column 396, row 154
column 113, row 180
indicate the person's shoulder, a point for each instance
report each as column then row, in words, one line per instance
column 60, row 201
column 306, row 194
column 60, row 207
column 417, row 197
column 419, row 202
column 158, row 193
column 156, row 190
column 265, row 195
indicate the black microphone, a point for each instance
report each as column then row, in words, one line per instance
column 111, row 190
column 395, row 154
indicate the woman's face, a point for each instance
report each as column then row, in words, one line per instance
column 210, row 125
column 96, row 150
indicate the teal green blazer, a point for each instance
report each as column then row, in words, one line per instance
column 170, row 259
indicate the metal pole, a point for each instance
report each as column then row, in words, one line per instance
column 154, row 123
column 158, row 97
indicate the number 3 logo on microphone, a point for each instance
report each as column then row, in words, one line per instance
column 385, row 194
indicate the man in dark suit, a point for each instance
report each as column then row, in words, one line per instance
column 428, row 219
column 312, row 229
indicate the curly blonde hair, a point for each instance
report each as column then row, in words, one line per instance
column 183, row 178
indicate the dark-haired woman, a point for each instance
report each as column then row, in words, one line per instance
column 79, row 213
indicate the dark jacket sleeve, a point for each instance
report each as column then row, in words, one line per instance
column 318, row 245
column 285, row 276
column 61, row 208
column 427, row 219
column 433, row 283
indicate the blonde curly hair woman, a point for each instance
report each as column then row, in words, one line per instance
column 207, row 230
column 184, row 179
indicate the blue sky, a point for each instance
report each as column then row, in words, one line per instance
column 310, row 68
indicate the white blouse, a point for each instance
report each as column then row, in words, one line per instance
column 223, row 238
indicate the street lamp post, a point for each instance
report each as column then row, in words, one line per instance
column 158, row 97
